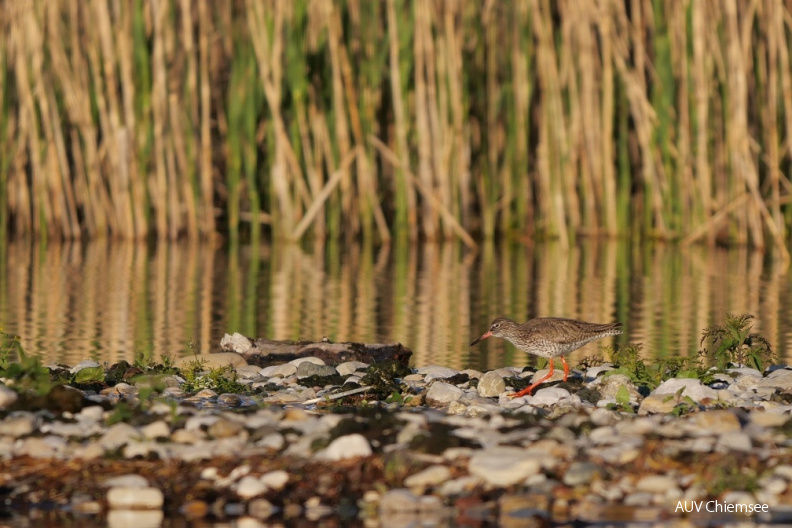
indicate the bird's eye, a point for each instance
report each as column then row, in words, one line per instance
column 496, row 325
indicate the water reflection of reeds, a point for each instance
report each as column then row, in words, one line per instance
column 112, row 300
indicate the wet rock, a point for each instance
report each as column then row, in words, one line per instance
column 135, row 498
column 308, row 369
column 503, row 465
column 349, row 446
column 441, row 393
column 491, row 384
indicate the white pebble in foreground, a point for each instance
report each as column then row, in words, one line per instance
column 130, row 498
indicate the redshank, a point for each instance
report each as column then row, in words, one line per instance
column 549, row 337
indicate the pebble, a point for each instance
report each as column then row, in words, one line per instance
column 493, row 441
column 491, row 384
column 503, row 465
column 135, row 498
column 350, row 367
column 689, row 387
column 7, row 397
column 580, row 473
column 307, row 369
column 431, row 476
column 436, row 372
column 348, row 446
column 275, row 480
column 17, row 425
column 441, row 393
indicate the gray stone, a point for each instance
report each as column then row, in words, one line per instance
column 307, row 369
column 249, row 487
column 126, row 481
column 154, row 430
column 135, row 498
column 17, row 425
column 552, row 396
column 734, row 442
column 350, row 367
column 310, row 359
column 778, row 379
column 281, row 371
column 657, row 403
column 491, row 384
column 715, row 422
column 441, row 393
column 348, row 446
column 609, row 387
column 236, row 343
column 117, row 435
column 689, row 387
column 7, row 397
column 42, row 447
column 431, row 372
column 594, row 372
column 503, row 465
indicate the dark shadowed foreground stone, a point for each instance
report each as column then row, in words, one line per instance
column 265, row 352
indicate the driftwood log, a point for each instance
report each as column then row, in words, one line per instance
column 265, row 352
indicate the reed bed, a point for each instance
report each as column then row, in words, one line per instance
column 434, row 119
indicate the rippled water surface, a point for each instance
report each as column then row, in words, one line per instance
column 109, row 301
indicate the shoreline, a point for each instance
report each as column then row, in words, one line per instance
column 446, row 444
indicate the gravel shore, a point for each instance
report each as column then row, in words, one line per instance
column 447, row 447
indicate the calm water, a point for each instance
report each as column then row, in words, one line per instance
column 108, row 300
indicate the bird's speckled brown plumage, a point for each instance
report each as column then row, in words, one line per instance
column 549, row 337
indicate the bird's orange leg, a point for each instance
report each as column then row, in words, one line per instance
column 529, row 388
column 566, row 368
